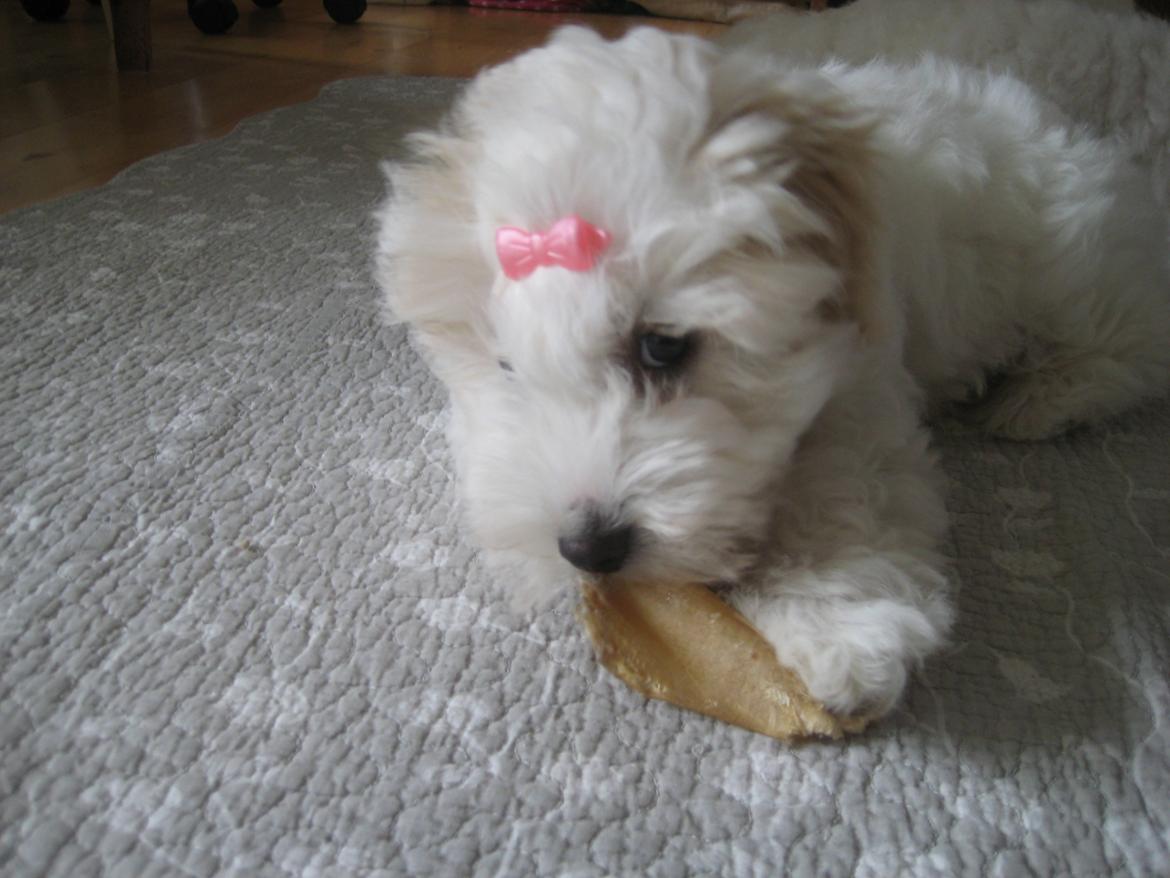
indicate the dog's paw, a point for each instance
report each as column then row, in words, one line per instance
column 1023, row 408
column 1058, row 394
column 854, row 656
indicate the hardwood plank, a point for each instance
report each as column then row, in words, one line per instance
column 90, row 147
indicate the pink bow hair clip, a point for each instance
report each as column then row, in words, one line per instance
column 570, row 243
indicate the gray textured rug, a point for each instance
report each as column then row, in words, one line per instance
column 242, row 635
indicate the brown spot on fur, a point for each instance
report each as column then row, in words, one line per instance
column 823, row 155
column 834, row 179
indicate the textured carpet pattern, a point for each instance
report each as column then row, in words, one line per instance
column 241, row 633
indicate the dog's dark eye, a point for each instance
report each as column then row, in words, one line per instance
column 505, row 365
column 657, row 351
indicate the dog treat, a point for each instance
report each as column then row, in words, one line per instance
column 683, row 645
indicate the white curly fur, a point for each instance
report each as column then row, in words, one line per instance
column 843, row 244
column 1105, row 68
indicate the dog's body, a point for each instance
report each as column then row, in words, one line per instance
column 799, row 260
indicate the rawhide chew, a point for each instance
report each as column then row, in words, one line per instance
column 683, row 645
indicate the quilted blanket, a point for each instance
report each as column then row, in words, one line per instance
column 241, row 632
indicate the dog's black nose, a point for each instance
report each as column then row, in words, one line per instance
column 598, row 550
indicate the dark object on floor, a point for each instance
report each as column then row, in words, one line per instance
column 345, row 11
column 217, row 16
column 212, row 16
column 1160, row 8
column 45, row 10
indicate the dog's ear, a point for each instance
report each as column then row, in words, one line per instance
column 797, row 140
column 429, row 263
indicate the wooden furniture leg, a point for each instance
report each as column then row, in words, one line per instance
column 132, row 34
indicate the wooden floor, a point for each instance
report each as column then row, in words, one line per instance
column 69, row 120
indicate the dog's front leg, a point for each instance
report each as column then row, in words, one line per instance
column 857, row 594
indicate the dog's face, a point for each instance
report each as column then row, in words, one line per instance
column 634, row 418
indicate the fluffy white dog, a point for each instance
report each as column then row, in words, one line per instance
column 691, row 304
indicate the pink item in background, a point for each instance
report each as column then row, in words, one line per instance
column 539, row 5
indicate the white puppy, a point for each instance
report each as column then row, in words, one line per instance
column 717, row 370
